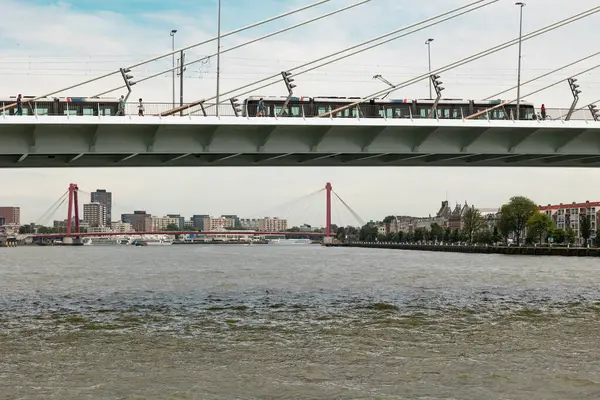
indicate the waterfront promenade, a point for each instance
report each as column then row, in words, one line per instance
column 483, row 249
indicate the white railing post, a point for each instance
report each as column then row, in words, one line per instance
column 68, row 113
column 410, row 113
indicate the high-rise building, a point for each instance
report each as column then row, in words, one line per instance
column 94, row 214
column 180, row 219
column 199, row 221
column 139, row 220
column 272, row 225
column 162, row 223
column 216, row 224
column 103, row 197
column 235, row 218
column 10, row 215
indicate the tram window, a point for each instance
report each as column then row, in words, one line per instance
column 106, row 111
column 41, row 111
column 88, row 110
column 296, row 111
column 70, row 112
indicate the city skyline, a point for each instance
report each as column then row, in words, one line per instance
column 35, row 62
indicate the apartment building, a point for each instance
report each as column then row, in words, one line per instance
column 139, row 220
column 10, row 216
column 272, row 225
column 569, row 215
column 103, row 197
column 94, row 214
column 162, row 223
column 121, row 227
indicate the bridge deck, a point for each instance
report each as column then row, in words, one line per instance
column 131, row 141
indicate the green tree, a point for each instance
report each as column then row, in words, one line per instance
column 420, row 234
column 484, row 236
column 585, row 227
column 472, row 223
column 559, row 236
column 436, row 232
column 400, row 236
column 172, row 228
column 496, row 237
column 539, row 225
column 515, row 214
column 455, row 236
column 340, row 234
column 389, row 219
column 570, row 236
column 368, row 233
column 447, row 235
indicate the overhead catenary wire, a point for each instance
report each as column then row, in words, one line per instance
column 329, row 14
column 502, row 104
column 425, row 21
column 544, row 75
column 581, row 108
column 469, row 59
column 254, row 25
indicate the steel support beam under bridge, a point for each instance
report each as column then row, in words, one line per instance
column 131, row 141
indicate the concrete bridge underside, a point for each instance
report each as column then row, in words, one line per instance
column 53, row 142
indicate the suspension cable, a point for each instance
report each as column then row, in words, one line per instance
column 254, row 25
column 354, row 214
column 544, row 75
column 469, row 59
column 475, row 115
column 53, row 206
column 357, row 46
column 245, row 44
column 296, row 200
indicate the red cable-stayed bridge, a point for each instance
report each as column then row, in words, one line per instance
column 74, row 233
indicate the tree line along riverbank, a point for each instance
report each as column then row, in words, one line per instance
column 564, row 251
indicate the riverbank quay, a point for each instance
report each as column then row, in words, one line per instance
column 506, row 250
column 199, row 242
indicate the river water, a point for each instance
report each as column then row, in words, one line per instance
column 295, row 322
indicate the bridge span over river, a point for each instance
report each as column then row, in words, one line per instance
column 155, row 141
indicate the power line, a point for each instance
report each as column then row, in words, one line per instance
column 246, row 43
column 529, row 94
column 469, row 59
column 544, row 75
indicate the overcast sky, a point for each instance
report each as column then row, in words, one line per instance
column 46, row 45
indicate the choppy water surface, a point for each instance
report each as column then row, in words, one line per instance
column 297, row 322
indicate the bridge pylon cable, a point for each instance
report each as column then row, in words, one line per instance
column 380, row 37
column 235, row 31
column 294, row 202
column 320, row 17
column 544, row 75
column 354, row 214
column 502, row 104
column 469, row 59
column 54, row 206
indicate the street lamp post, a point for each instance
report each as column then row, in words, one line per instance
column 218, row 56
column 428, row 43
column 521, row 5
column 173, row 32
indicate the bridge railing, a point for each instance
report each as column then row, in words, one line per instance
column 198, row 109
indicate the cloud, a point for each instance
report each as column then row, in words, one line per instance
column 40, row 54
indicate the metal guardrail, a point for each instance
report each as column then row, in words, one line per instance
column 209, row 109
